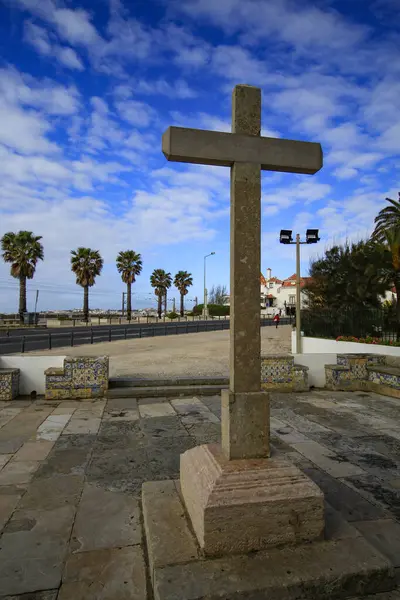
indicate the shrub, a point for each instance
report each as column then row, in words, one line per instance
column 214, row 310
column 172, row 315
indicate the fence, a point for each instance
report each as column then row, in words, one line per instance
column 59, row 339
column 360, row 323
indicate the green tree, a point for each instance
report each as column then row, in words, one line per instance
column 129, row 264
column 160, row 281
column 87, row 265
column 348, row 276
column 23, row 250
column 182, row 281
column 167, row 285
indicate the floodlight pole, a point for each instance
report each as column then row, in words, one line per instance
column 298, row 311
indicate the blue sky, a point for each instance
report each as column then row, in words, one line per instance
column 87, row 88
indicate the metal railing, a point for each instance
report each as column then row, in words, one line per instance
column 93, row 335
column 360, row 323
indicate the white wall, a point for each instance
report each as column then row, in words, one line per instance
column 316, row 364
column 32, row 370
column 311, row 345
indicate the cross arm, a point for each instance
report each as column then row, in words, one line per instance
column 223, row 149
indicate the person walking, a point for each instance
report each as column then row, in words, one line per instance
column 276, row 320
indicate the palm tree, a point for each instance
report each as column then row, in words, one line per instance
column 167, row 285
column 160, row 281
column 387, row 234
column 388, row 218
column 129, row 264
column 22, row 250
column 86, row 264
column 183, row 280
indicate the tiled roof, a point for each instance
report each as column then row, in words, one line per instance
column 263, row 281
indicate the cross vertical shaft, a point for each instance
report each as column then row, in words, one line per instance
column 245, row 251
column 245, row 409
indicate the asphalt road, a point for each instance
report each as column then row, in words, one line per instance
column 25, row 340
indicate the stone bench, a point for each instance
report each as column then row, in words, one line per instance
column 9, row 384
column 278, row 372
column 81, row 377
column 368, row 372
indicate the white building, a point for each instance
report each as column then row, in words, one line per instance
column 279, row 295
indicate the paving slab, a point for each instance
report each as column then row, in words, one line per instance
column 383, row 535
column 117, row 415
column 351, row 504
column 4, row 458
column 105, row 519
column 82, row 425
column 16, row 472
column 327, row 460
column 113, row 574
column 378, row 491
column 65, row 462
column 160, row 409
column 49, row 493
column 124, row 403
column 38, row 450
column 204, row 433
column 160, row 427
column 33, row 548
column 8, row 504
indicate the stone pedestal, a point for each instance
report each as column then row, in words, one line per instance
column 238, row 506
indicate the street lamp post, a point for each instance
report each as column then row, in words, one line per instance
column 205, row 310
column 286, row 238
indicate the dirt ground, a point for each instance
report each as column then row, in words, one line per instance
column 193, row 354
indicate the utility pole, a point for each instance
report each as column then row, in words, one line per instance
column 173, row 305
column 195, row 301
column 312, row 237
column 36, row 301
column 298, row 310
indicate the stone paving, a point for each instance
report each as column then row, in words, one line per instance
column 71, row 475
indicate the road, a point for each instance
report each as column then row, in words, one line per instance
column 25, row 340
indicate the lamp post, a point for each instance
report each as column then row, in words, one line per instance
column 287, row 238
column 205, row 310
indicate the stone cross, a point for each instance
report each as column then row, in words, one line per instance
column 245, row 409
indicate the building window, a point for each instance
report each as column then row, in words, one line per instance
column 271, row 285
column 292, row 299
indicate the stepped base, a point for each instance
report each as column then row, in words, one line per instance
column 326, row 569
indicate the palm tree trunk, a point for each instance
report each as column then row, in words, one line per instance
column 159, row 308
column 86, row 303
column 182, row 305
column 165, row 302
column 22, row 298
column 128, row 301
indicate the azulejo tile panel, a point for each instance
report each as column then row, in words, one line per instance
column 365, row 372
column 9, row 384
column 83, row 377
column 278, row 372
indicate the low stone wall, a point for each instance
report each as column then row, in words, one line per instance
column 363, row 372
column 278, row 372
column 81, row 377
column 9, row 384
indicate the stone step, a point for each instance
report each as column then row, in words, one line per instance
column 120, row 382
column 169, row 391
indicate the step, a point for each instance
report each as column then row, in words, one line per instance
column 120, row 382
column 170, row 391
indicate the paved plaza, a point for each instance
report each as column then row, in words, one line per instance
column 186, row 355
column 71, row 475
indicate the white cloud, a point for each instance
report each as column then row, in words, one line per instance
column 39, row 38
column 24, row 131
column 69, row 58
column 135, row 112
